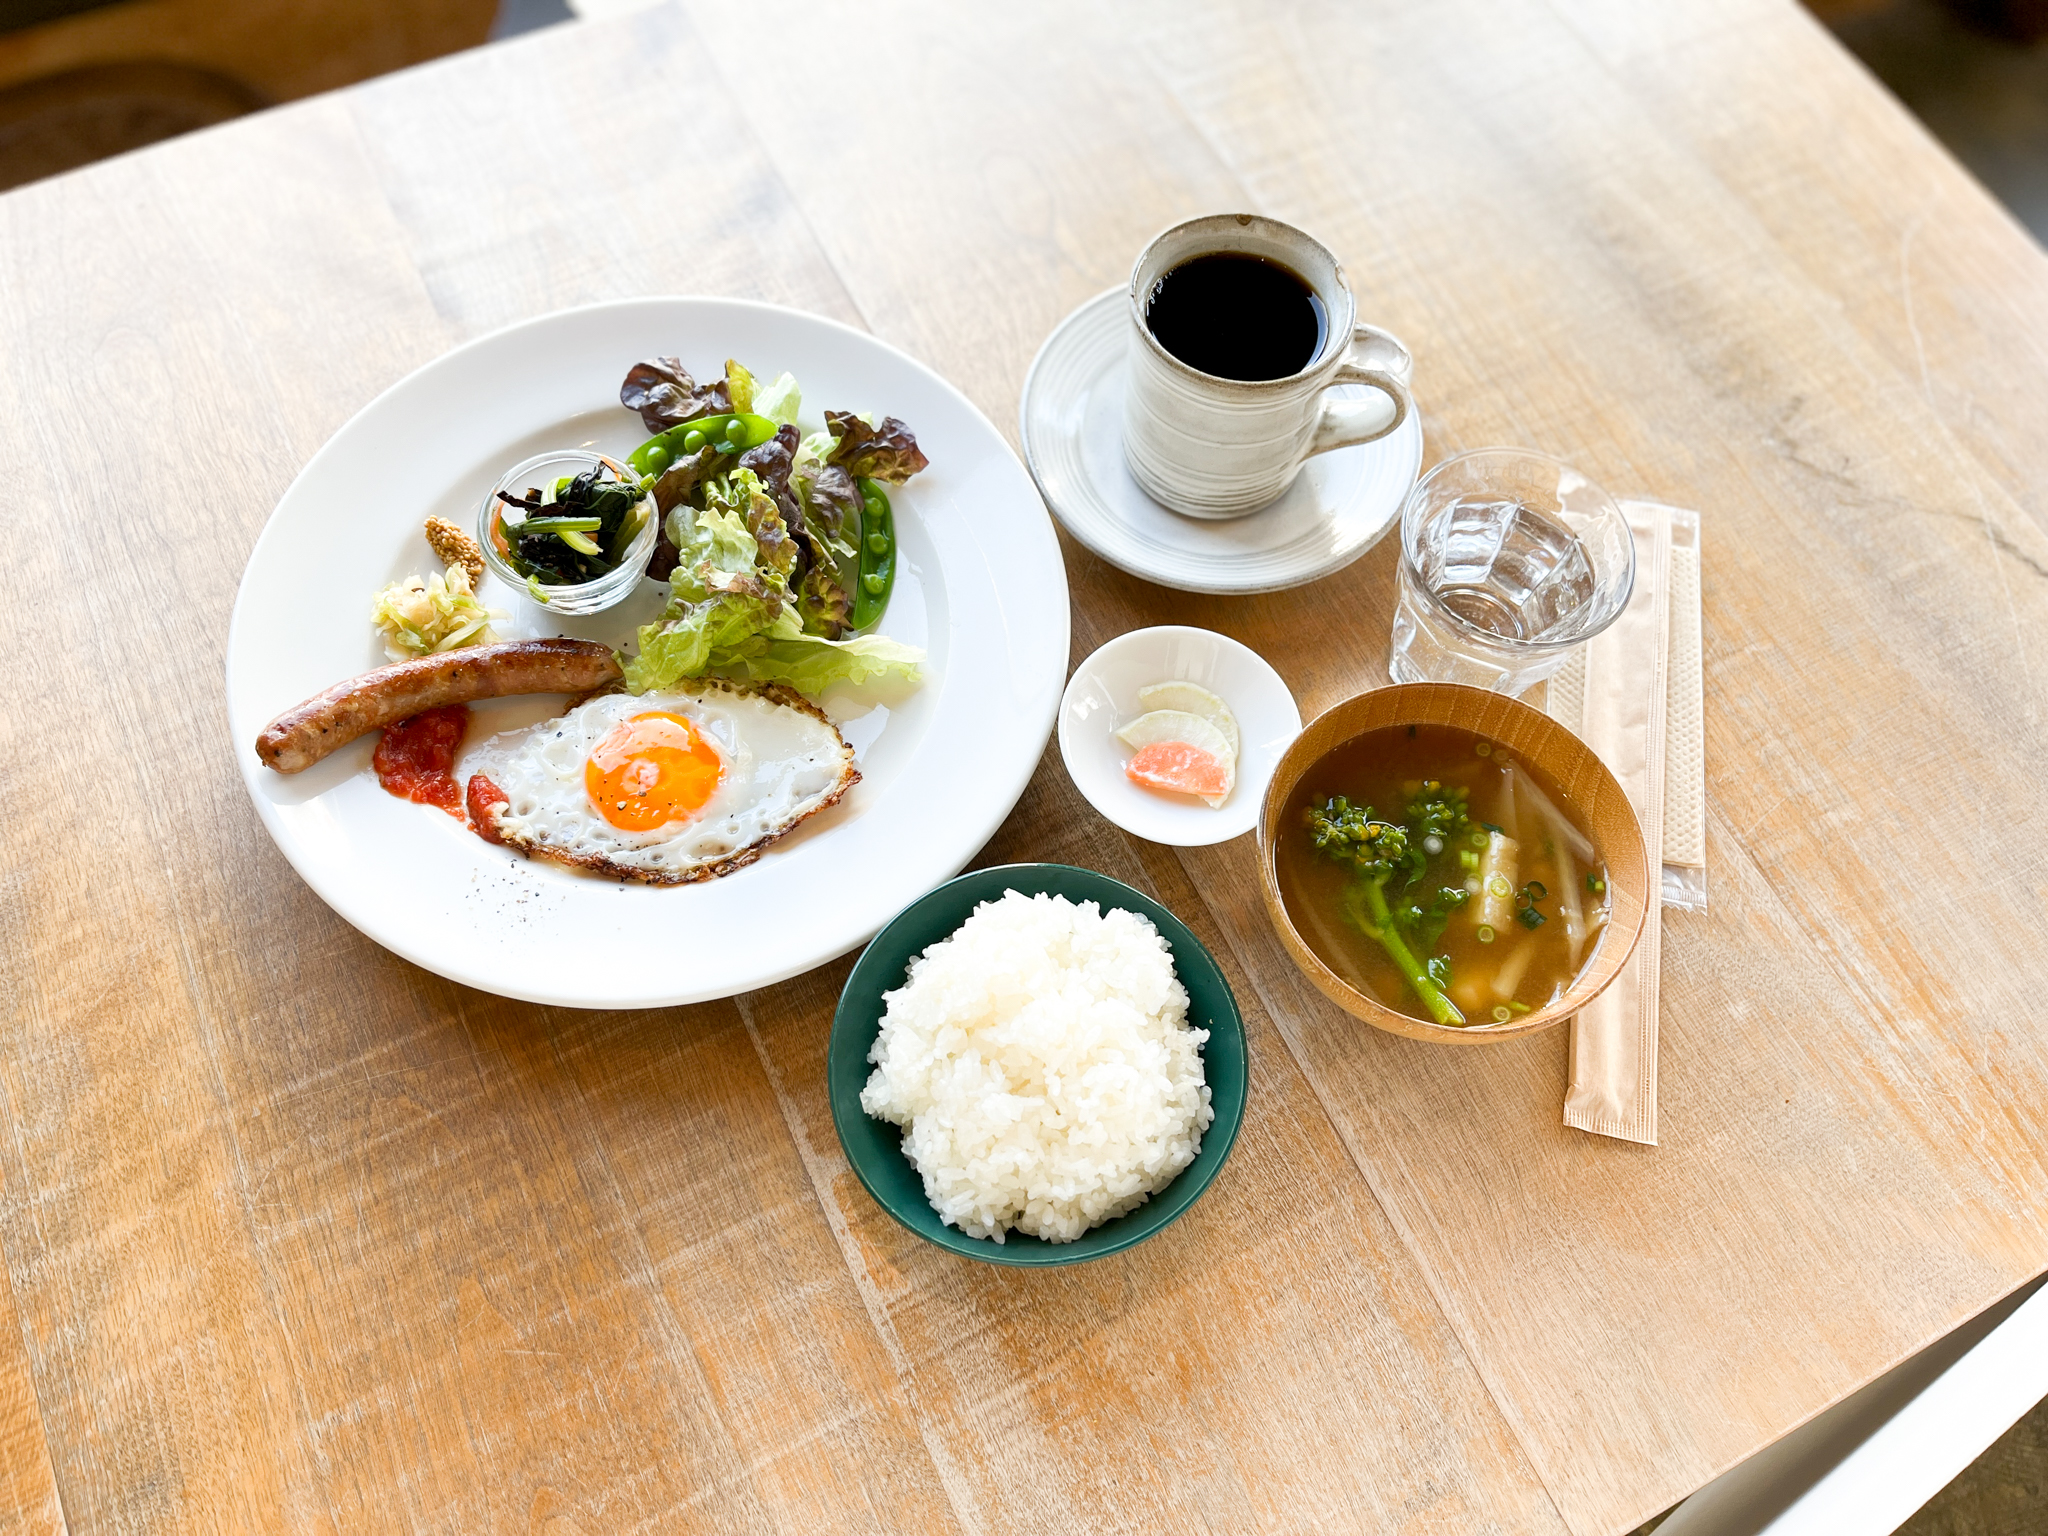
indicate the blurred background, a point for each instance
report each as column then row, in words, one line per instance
column 83, row 79
column 1976, row 73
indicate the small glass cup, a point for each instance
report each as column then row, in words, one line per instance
column 592, row 596
column 1509, row 559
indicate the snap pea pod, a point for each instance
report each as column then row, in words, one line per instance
column 736, row 433
column 877, row 571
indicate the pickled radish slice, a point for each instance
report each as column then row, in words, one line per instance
column 1182, row 768
column 1177, row 725
column 1193, row 699
column 1189, row 733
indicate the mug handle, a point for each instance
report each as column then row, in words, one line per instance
column 1375, row 357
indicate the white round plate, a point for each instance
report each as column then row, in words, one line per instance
column 1102, row 698
column 979, row 585
column 1073, row 412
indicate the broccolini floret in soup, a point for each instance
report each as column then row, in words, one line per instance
column 1381, row 854
column 1426, row 869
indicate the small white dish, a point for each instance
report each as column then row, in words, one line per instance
column 1339, row 506
column 1102, row 697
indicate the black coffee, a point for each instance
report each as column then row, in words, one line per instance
column 1237, row 317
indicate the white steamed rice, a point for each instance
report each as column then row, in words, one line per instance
column 1041, row 1063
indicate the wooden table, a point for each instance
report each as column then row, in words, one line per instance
column 296, row 1235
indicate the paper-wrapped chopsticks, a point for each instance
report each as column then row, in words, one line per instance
column 1635, row 695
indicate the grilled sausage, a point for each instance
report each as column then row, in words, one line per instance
column 299, row 738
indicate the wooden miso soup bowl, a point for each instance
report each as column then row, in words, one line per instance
column 1532, row 737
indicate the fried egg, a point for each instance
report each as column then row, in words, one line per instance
column 665, row 788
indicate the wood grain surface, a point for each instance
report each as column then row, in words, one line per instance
column 297, row 1236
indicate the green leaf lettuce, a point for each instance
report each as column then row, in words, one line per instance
column 688, row 644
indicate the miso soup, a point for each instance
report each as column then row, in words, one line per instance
column 1435, row 871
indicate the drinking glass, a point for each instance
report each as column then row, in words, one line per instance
column 1509, row 559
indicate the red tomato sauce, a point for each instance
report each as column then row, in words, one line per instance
column 484, row 800
column 416, row 758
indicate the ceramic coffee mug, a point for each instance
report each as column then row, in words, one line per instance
column 1214, row 447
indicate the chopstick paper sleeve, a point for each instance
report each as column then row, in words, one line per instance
column 1613, row 1088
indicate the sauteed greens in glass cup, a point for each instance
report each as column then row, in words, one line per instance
column 575, row 529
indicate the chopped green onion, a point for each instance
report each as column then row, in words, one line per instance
column 1595, row 884
column 1502, row 1014
column 1535, row 890
column 1485, row 933
column 1478, row 838
column 1498, row 888
column 1519, row 1007
column 1483, row 748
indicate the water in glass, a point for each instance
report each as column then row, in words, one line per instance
column 1509, row 560
column 1505, row 568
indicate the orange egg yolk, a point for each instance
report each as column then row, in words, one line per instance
column 651, row 770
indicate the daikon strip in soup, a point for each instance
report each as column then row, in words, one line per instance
column 1435, row 871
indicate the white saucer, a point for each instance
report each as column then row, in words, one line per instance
column 1102, row 696
column 1072, row 423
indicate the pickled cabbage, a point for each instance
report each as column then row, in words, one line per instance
column 424, row 617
